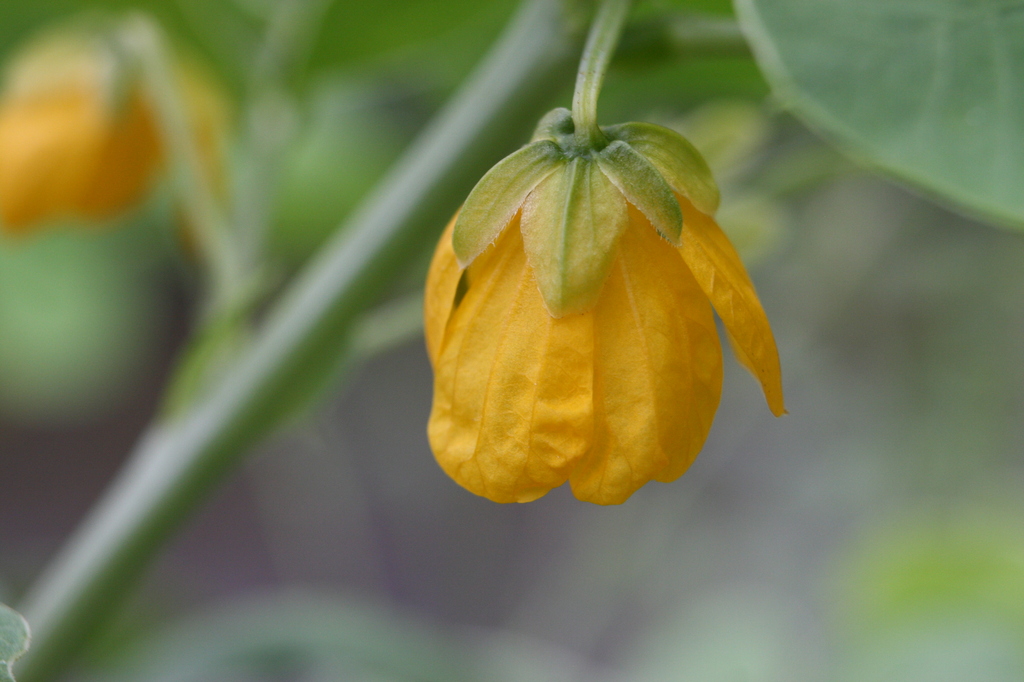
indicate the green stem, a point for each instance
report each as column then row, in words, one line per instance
column 290, row 36
column 271, row 118
column 176, row 464
column 191, row 180
column 597, row 55
column 269, row 127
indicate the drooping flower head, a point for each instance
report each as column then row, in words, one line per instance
column 74, row 140
column 569, row 317
column 79, row 136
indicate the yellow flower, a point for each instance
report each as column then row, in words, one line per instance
column 70, row 143
column 575, row 341
column 78, row 137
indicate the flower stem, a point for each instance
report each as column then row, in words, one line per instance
column 271, row 120
column 177, row 463
column 226, row 270
column 597, row 55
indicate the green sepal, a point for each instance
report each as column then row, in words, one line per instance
column 497, row 197
column 554, row 125
column 571, row 223
column 644, row 187
column 678, row 161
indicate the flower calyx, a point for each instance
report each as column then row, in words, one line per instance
column 572, row 197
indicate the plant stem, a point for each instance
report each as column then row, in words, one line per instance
column 176, row 464
column 291, row 34
column 191, row 180
column 597, row 55
column 271, row 116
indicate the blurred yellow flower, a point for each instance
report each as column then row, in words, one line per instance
column 609, row 378
column 78, row 136
column 71, row 143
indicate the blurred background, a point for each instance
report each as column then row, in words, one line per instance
column 874, row 533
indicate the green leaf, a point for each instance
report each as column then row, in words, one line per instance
column 497, row 197
column 643, row 186
column 77, row 320
column 346, row 144
column 931, row 90
column 297, row 634
column 570, row 225
column 354, row 32
column 14, row 640
column 257, row 637
column 678, row 161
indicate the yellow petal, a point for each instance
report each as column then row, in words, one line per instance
column 439, row 297
column 657, row 370
column 513, row 406
column 125, row 165
column 49, row 148
column 720, row 273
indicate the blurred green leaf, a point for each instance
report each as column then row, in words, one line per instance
column 974, row 564
column 446, row 38
column 931, row 90
column 756, row 222
column 730, row 134
column 352, row 134
column 735, row 633
column 354, row 31
column 75, row 320
column 293, row 630
column 20, row 20
column 325, row 636
column 937, row 599
column 652, row 7
column 631, row 94
column 940, row 651
column 14, row 640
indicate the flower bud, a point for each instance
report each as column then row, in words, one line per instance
column 78, row 136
